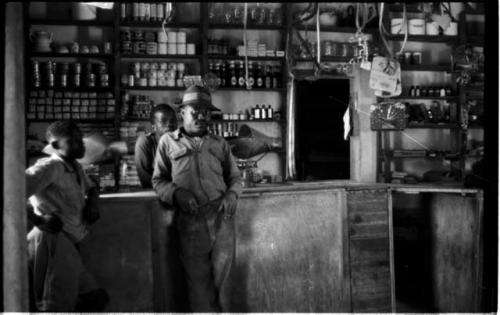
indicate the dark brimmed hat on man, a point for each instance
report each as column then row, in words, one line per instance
column 198, row 95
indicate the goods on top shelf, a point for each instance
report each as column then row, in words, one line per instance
column 254, row 49
column 261, row 76
column 152, row 74
column 232, row 14
column 155, row 43
column 145, row 11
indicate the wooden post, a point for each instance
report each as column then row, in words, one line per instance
column 15, row 271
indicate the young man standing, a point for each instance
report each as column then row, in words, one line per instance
column 195, row 172
column 65, row 202
column 163, row 119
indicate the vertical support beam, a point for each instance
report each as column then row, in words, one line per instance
column 391, row 249
column 204, row 36
column 15, row 269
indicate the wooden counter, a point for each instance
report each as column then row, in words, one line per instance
column 304, row 247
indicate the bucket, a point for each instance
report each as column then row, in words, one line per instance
column 416, row 27
column 397, row 26
column 82, row 11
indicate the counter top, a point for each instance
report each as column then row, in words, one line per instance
column 318, row 185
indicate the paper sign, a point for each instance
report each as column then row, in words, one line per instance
column 384, row 74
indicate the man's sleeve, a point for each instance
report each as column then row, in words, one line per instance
column 231, row 172
column 162, row 174
column 142, row 162
column 39, row 176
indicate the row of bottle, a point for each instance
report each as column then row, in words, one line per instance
column 430, row 91
column 142, row 11
column 255, row 113
column 259, row 77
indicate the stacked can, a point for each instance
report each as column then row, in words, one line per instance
column 181, row 43
column 35, row 70
column 49, row 71
column 151, row 44
column 126, row 42
column 62, row 74
column 172, row 43
column 139, row 45
column 162, row 43
column 76, row 78
column 103, row 75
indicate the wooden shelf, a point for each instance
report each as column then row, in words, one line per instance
column 68, row 55
column 94, row 120
column 432, row 126
column 229, row 57
column 158, row 24
column 425, row 38
column 249, row 27
column 436, row 68
column 75, row 89
column 249, row 121
column 153, row 88
column 326, row 58
column 335, row 29
column 424, row 97
column 135, row 56
column 70, row 22
column 251, row 90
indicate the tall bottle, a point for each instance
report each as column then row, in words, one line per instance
column 260, row 79
column 241, row 75
column 222, row 75
column 268, row 79
column 256, row 112
column 269, row 112
column 251, row 79
column 263, row 112
column 234, row 77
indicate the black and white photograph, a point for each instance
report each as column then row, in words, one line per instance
column 250, row 157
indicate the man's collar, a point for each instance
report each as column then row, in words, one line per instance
column 67, row 166
column 179, row 132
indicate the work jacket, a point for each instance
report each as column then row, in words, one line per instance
column 203, row 165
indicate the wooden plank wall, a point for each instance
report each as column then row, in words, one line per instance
column 291, row 254
column 370, row 255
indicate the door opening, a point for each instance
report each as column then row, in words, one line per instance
column 321, row 151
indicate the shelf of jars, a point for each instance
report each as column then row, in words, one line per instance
column 325, row 59
column 63, row 22
column 154, row 88
column 279, row 90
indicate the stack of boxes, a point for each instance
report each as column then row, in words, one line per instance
column 50, row 104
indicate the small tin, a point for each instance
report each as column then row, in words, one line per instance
column 417, row 58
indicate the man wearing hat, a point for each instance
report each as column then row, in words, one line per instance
column 195, row 172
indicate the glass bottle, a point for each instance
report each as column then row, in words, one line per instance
column 251, row 79
column 263, row 112
column 412, row 91
column 417, row 91
column 260, row 80
column 222, row 75
column 269, row 112
column 268, row 79
column 256, row 112
column 241, row 75
column 234, row 78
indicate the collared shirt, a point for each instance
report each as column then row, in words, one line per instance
column 56, row 187
column 145, row 150
column 203, row 165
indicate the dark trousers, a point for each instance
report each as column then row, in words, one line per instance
column 207, row 246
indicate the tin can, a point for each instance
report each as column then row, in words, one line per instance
column 147, row 11
column 152, row 48
column 142, row 11
column 153, row 13
column 345, row 50
column 64, row 80
column 152, row 81
column 77, row 67
column 143, row 82
column 131, row 80
column 104, row 79
column 407, row 58
column 417, row 58
column 135, row 13
column 137, row 35
column 91, row 80
column 159, row 11
column 328, row 48
column 126, row 35
column 76, row 80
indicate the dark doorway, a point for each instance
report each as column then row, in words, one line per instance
column 321, row 151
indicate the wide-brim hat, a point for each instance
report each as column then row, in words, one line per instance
column 198, row 95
